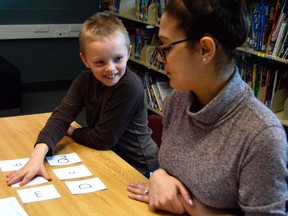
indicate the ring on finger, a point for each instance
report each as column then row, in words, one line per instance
column 146, row 192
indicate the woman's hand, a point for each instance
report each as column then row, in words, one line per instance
column 165, row 191
column 139, row 191
column 35, row 166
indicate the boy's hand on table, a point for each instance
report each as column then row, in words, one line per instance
column 35, row 166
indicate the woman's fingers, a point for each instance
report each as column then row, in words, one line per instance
column 139, row 191
column 139, row 197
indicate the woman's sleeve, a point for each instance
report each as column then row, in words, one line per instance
column 263, row 175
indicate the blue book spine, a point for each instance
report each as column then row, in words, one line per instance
column 264, row 21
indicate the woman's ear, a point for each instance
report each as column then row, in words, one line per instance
column 208, row 49
column 82, row 57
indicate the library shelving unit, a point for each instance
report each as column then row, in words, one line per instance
column 282, row 98
column 248, row 50
column 268, row 44
column 128, row 12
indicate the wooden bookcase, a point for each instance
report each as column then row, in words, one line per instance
column 127, row 11
column 280, row 98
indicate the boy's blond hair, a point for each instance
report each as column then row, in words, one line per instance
column 102, row 26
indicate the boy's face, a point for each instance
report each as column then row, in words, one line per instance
column 107, row 59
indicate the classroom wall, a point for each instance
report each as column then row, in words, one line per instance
column 50, row 59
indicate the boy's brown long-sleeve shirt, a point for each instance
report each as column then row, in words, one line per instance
column 116, row 119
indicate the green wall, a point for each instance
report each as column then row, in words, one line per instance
column 44, row 60
column 46, row 11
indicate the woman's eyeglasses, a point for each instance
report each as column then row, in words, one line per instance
column 161, row 48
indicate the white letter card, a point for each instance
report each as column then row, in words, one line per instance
column 72, row 172
column 86, row 186
column 34, row 181
column 12, row 165
column 38, row 194
column 65, row 159
column 10, row 206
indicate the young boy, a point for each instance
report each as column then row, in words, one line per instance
column 113, row 98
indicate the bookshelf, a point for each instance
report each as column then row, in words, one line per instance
column 127, row 11
column 248, row 50
column 267, row 43
column 148, row 66
column 275, row 65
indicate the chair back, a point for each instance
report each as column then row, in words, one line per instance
column 156, row 125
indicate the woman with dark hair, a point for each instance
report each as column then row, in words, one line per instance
column 220, row 145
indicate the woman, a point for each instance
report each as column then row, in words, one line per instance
column 220, row 145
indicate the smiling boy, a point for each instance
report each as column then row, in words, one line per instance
column 113, row 99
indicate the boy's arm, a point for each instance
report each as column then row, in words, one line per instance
column 116, row 114
column 35, row 166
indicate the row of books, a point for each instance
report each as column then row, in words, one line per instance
column 265, row 79
column 268, row 27
column 110, row 5
column 142, row 38
column 145, row 10
column 157, row 88
column 153, row 60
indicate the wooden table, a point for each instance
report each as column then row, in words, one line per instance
column 18, row 135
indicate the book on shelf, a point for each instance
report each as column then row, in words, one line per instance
column 266, row 23
column 256, row 75
column 138, row 43
column 273, row 20
column 147, row 10
column 153, row 60
column 279, row 18
column 265, row 79
column 266, row 28
column 138, row 9
column 151, row 99
column 279, row 40
column 104, row 5
column 158, row 88
column 284, row 44
column 110, row 5
column 285, row 54
column 164, row 89
column 162, row 4
column 274, row 86
column 143, row 37
column 255, row 26
column 157, row 96
column 159, row 10
column 270, row 80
